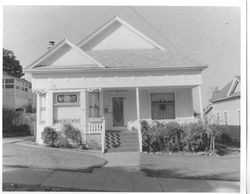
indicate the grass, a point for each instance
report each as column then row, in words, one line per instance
column 180, row 165
column 26, row 156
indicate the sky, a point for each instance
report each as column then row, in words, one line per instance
column 209, row 35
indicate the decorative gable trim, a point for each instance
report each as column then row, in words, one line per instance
column 122, row 22
column 57, row 47
column 233, row 85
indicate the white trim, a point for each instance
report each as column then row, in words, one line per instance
column 59, row 45
column 112, row 124
column 84, row 42
column 235, row 81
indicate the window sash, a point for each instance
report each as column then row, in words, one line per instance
column 162, row 106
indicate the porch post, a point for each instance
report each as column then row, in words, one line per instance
column 38, row 117
column 83, row 104
column 49, row 108
column 138, row 103
column 101, row 102
column 200, row 101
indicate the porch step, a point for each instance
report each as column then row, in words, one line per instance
column 121, row 141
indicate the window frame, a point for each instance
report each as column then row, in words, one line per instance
column 166, row 103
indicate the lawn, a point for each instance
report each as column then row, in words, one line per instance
column 17, row 155
column 180, row 165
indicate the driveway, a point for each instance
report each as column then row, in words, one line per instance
column 28, row 156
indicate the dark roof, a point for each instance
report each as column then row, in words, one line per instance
column 223, row 93
column 141, row 58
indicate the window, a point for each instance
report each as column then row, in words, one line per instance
column 66, row 98
column 17, row 87
column 9, row 80
column 163, row 106
column 218, row 117
column 9, row 86
column 225, row 118
column 26, row 89
column 94, row 105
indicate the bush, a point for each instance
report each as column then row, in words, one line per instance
column 49, row 137
column 150, row 141
column 195, row 137
column 170, row 135
column 9, row 116
column 62, row 141
column 23, row 129
column 173, row 137
column 73, row 135
column 225, row 138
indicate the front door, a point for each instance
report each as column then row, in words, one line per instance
column 118, row 111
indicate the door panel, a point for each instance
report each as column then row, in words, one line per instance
column 118, row 111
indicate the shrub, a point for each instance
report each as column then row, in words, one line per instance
column 30, row 139
column 170, row 135
column 9, row 116
column 195, row 137
column 73, row 135
column 22, row 129
column 62, row 141
column 225, row 138
column 49, row 136
column 150, row 141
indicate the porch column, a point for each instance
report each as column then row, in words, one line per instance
column 138, row 103
column 101, row 102
column 49, row 108
column 200, row 101
column 38, row 118
column 83, row 104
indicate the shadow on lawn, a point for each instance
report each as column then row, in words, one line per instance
column 167, row 173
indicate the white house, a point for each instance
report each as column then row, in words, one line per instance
column 111, row 79
column 225, row 104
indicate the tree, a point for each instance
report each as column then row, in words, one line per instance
column 11, row 65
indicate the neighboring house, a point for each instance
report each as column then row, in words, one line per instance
column 112, row 79
column 225, row 104
column 17, row 93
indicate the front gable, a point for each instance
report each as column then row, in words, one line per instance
column 117, row 34
column 64, row 55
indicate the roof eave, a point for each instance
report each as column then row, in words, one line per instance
column 201, row 68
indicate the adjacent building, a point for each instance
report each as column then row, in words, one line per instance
column 17, row 93
column 225, row 104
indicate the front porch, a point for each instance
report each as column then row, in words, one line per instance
column 96, row 110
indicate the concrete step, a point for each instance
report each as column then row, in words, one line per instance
column 130, row 144
column 134, row 149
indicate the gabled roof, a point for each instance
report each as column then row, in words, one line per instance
column 110, row 27
column 148, row 55
column 142, row 58
column 227, row 92
column 60, row 50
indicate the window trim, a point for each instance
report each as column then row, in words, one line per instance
column 173, row 93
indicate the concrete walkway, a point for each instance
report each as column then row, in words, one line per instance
column 113, row 179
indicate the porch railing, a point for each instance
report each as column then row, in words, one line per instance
column 98, row 127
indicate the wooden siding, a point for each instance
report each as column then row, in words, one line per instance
column 123, row 38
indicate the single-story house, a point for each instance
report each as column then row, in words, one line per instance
column 224, row 106
column 111, row 80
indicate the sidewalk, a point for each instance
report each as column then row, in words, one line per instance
column 113, row 179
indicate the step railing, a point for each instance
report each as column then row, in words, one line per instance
column 97, row 126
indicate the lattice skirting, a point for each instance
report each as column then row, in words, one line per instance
column 94, row 141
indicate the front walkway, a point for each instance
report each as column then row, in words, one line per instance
column 109, row 179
